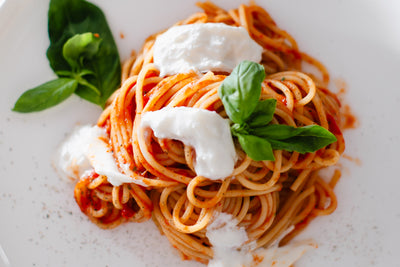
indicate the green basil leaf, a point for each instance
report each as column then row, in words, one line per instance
column 104, row 81
column 46, row 95
column 80, row 47
column 256, row 147
column 240, row 91
column 69, row 17
column 302, row 139
column 263, row 113
column 237, row 129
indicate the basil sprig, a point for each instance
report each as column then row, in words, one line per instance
column 240, row 94
column 82, row 53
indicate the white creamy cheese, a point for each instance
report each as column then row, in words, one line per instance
column 71, row 157
column 227, row 240
column 206, row 131
column 85, row 150
column 284, row 256
column 103, row 162
column 230, row 249
column 204, row 47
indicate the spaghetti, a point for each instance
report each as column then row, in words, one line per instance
column 265, row 197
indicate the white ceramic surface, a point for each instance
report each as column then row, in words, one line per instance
column 40, row 224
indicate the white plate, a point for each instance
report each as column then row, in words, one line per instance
column 40, row 224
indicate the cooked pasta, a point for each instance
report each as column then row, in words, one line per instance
column 265, row 197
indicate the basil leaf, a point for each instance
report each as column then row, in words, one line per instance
column 303, row 139
column 263, row 113
column 80, row 47
column 256, row 147
column 240, row 91
column 237, row 129
column 46, row 95
column 104, row 81
column 69, row 17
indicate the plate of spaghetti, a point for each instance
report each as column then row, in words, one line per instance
column 222, row 133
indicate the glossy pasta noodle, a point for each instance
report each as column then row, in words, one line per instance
column 265, row 197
